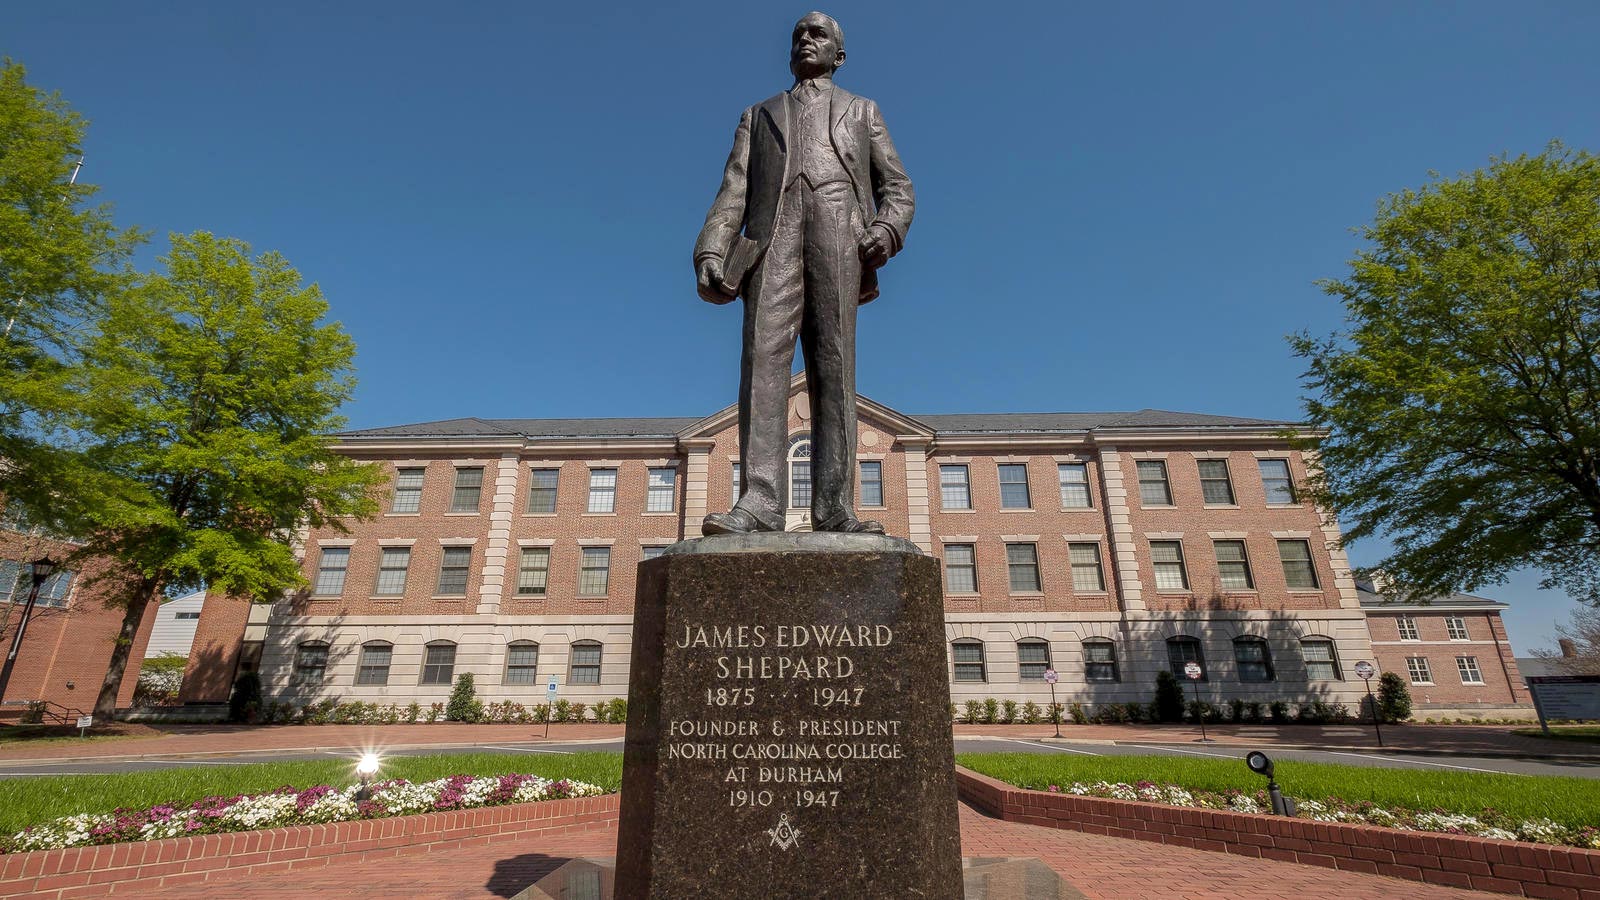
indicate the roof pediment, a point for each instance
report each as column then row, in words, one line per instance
column 886, row 418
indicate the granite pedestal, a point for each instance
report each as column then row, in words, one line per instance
column 789, row 723
column 982, row 879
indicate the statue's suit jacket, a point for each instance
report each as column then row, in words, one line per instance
column 760, row 167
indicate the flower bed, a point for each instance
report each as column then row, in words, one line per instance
column 1489, row 824
column 288, row 806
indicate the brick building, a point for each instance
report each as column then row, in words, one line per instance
column 1107, row 546
column 1453, row 652
column 67, row 646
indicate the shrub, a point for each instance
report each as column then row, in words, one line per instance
column 1252, row 712
column 563, row 712
column 1112, row 714
column 991, row 710
column 974, row 712
column 1200, row 711
column 1236, row 709
column 1008, row 713
column 1030, row 713
column 619, row 711
column 159, row 680
column 245, row 703
column 1169, row 697
column 1321, row 712
column 1394, row 698
column 541, row 713
column 954, row 716
column 321, row 712
column 1279, row 710
column 459, row 708
column 1078, row 715
column 413, row 712
column 435, row 713
column 578, row 709
column 33, row 713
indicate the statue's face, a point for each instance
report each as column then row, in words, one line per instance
column 815, row 50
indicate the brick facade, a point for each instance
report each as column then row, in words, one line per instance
column 1005, row 613
column 1467, row 663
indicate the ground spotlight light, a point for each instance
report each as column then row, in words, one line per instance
column 365, row 769
column 1261, row 764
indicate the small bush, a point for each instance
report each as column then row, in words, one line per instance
column 541, row 713
column 619, row 711
column 33, row 713
column 1321, row 712
column 991, row 711
column 974, row 712
column 1008, row 712
column 246, row 698
column 1236, row 710
column 159, row 680
column 1078, row 715
column 459, row 709
column 413, row 712
column 435, row 713
column 1279, row 711
column 1169, row 697
column 562, row 713
column 578, row 710
column 1252, row 712
column 1030, row 713
column 1394, row 698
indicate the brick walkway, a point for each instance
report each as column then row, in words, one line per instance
column 1100, row 867
column 1466, row 739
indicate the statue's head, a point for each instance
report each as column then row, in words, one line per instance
column 818, row 46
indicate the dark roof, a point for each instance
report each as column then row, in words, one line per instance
column 1371, row 599
column 1537, row 666
column 976, row 423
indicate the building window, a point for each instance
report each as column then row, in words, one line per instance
column 585, row 667
column 438, row 663
column 533, row 574
column 1074, row 479
column 468, row 491
column 659, row 494
column 1254, row 659
column 1417, row 667
column 1233, row 566
column 16, row 581
column 602, row 490
column 1167, row 558
column 1322, row 661
column 871, row 483
column 1276, row 482
column 55, row 589
column 1033, row 658
column 1215, row 485
column 542, row 490
column 407, row 491
column 11, row 581
column 331, row 570
column 1457, row 628
column 968, row 659
column 1100, row 661
column 955, row 491
column 374, row 665
column 1408, row 628
column 651, row 552
column 1086, row 572
column 1022, row 564
column 1014, row 487
column 960, row 569
column 738, row 481
column 310, row 662
column 1297, row 568
column 453, row 569
column 1153, row 487
column 392, row 565
column 800, row 473
column 594, row 579
column 1468, row 667
column 1184, row 650
column 188, row 615
column 522, row 662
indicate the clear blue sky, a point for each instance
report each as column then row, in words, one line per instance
column 1119, row 205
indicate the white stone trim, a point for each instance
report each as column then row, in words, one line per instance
column 1163, row 535
column 1148, row 454
column 396, row 542
column 336, row 542
column 457, row 541
column 536, row 542
column 1124, row 560
column 1228, row 535
column 1292, row 536
column 1020, row 538
column 917, row 495
column 1083, row 538
column 958, row 539
column 596, row 542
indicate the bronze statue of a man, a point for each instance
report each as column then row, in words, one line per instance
column 813, row 200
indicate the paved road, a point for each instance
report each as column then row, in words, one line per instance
column 964, row 744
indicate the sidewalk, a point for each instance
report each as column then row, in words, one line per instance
column 1102, row 868
column 171, row 740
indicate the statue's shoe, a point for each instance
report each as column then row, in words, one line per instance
column 735, row 521
column 855, row 526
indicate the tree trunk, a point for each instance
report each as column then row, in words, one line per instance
column 139, row 599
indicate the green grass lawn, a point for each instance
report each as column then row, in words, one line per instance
column 1570, row 801
column 30, row 801
column 1589, row 734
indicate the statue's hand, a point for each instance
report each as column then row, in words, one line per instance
column 709, row 282
column 875, row 244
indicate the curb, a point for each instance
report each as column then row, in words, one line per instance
column 1398, row 751
column 340, row 749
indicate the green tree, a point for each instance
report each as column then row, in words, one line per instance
column 462, row 698
column 1461, row 404
column 1394, row 698
column 207, row 397
column 59, row 259
column 1169, row 697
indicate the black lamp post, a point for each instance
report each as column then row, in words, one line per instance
column 1260, row 764
column 40, row 571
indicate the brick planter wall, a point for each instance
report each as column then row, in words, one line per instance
column 1507, row 867
column 140, row 869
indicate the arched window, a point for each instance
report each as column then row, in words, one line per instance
column 522, row 662
column 967, row 655
column 374, row 665
column 1322, row 659
column 1033, row 658
column 1100, row 661
column 310, row 662
column 800, row 472
column 585, row 665
column 1183, row 650
column 1254, row 658
column 438, row 663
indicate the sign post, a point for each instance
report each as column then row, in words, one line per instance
column 1050, row 678
column 1574, row 697
column 549, row 704
column 1365, row 671
column 84, row 723
column 1194, row 672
